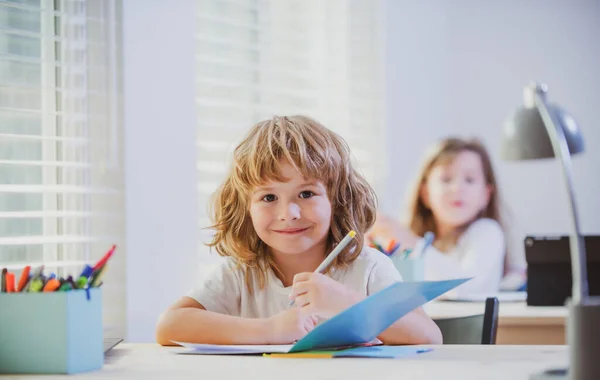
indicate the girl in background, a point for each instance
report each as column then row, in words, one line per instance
column 455, row 197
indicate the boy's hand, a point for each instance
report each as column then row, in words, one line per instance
column 290, row 325
column 320, row 295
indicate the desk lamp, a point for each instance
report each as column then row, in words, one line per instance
column 542, row 130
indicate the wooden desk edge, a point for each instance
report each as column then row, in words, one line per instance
column 531, row 321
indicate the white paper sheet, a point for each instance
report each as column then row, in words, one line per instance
column 220, row 349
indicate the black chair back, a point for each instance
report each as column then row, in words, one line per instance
column 473, row 329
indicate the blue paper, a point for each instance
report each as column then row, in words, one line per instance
column 382, row 352
column 363, row 322
column 357, row 325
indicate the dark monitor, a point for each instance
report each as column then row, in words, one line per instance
column 549, row 279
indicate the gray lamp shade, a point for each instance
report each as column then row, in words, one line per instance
column 525, row 137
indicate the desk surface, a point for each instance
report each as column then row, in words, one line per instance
column 510, row 313
column 142, row 361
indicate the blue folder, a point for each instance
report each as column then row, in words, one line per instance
column 358, row 325
column 363, row 322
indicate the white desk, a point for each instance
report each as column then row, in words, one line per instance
column 149, row 361
column 517, row 322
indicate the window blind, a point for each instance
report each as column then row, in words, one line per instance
column 61, row 179
column 259, row 58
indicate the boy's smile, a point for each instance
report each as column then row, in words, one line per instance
column 293, row 217
column 292, row 231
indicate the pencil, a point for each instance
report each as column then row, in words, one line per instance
column 336, row 251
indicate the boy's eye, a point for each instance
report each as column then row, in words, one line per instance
column 446, row 179
column 306, row 194
column 269, row 198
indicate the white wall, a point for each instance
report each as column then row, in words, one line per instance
column 160, row 158
column 459, row 68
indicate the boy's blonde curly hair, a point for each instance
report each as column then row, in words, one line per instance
column 317, row 153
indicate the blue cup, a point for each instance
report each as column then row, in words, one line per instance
column 411, row 270
column 50, row 333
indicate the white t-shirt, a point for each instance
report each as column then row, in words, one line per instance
column 479, row 253
column 224, row 290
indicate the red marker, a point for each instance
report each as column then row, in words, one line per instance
column 10, row 282
column 104, row 259
column 24, row 278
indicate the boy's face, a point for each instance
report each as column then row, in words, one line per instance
column 293, row 217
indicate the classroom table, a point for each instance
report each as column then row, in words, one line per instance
column 150, row 361
column 517, row 322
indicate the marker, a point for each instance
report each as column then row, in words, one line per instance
column 70, row 281
column 38, row 272
column 24, row 278
column 10, row 282
column 3, row 281
column 390, row 247
column 336, row 251
column 37, row 280
column 105, row 258
column 374, row 244
column 86, row 272
column 84, row 277
column 81, row 282
column 36, row 285
column 51, row 285
column 65, row 287
column 422, row 245
column 27, row 284
column 97, row 276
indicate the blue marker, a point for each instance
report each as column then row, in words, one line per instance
column 86, row 272
column 83, row 278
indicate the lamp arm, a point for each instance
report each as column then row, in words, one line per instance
column 577, row 245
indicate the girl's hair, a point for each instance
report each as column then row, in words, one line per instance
column 420, row 217
column 317, row 153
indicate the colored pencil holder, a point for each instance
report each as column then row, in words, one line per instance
column 48, row 333
column 410, row 269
